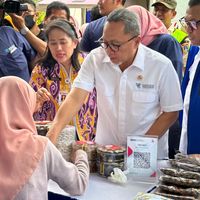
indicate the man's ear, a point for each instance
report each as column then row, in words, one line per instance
column 174, row 14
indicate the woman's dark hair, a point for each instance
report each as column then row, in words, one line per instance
column 47, row 60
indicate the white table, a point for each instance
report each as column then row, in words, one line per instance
column 101, row 188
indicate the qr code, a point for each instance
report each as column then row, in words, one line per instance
column 141, row 160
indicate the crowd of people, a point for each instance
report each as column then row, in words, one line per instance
column 127, row 72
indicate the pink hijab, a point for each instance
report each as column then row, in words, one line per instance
column 150, row 25
column 20, row 148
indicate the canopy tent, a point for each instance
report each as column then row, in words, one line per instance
column 41, row 5
column 78, row 7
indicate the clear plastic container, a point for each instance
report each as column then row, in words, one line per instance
column 105, row 168
column 91, row 149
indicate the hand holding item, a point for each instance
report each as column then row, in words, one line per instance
column 42, row 95
column 75, row 155
column 18, row 21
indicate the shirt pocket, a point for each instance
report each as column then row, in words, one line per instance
column 144, row 97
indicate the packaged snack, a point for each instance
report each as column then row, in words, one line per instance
column 175, row 197
column 147, row 196
column 171, row 189
column 180, row 181
column 185, row 166
column 180, row 173
column 110, row 157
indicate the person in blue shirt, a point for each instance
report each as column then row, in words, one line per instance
column 190, row 135
column 16, row 54
column 94, row 29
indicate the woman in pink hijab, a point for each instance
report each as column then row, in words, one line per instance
column 28, row 160
column 155, row 36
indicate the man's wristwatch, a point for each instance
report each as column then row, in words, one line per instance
column 24, row 30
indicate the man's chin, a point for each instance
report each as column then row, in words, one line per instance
column 116, row 63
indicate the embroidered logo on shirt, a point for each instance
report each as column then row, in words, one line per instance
column 144, row 86
column 138, row 85
column 147, row 86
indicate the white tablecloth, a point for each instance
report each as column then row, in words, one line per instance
column 101, row 188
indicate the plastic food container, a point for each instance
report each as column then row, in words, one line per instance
column 105, row 168
column 65, row 140
column 42, row 127
column 91, row 149
column 110, row 157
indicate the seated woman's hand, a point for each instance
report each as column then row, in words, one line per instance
column 42, row 95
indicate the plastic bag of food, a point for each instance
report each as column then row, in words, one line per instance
column 147, row 196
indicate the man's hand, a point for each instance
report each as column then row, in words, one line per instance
column 18, row 21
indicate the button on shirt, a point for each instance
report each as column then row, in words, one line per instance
column 129, row 102
column 192, row 70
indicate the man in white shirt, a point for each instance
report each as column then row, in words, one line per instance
column 190, row 135
column 138, row 89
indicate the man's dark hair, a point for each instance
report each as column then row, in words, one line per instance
column 123, row 2
column 57, row 5
column 95, row 13
column 192, row 3
column 31, row 2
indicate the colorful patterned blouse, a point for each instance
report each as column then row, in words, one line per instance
column 59, row 84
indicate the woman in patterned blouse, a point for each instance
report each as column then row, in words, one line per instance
column 56, row 72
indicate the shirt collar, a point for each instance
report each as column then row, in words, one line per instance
column 139, row 58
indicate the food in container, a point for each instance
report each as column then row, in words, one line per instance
column 42, row 127
column 91, row 149
column 110, row 157
column 106, row 168
column 88, row 146
column 65, row 140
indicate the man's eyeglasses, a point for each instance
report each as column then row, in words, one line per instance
column 191, row 23
column 113, row 47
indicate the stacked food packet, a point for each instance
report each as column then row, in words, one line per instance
column 182, row 180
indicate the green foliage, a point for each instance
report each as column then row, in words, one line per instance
column 41, row 15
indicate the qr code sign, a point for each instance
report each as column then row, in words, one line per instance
column 141, row 160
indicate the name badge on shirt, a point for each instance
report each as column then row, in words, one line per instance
column 61, row 97
column 11, row 49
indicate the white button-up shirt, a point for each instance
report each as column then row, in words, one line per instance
column 184, row 139
column 129, row 102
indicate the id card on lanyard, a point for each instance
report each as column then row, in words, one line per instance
column 61, row 96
